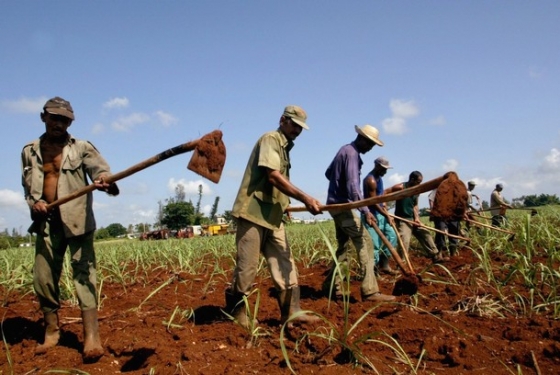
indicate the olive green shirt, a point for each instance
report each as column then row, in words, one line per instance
column 258, row 200
column 80, row 160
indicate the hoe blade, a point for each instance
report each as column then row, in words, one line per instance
column 209, row 157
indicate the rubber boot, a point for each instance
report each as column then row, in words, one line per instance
column 384, row 267
column 453, row 250
column 235, row 306
column 52, row 333
column 92, row 343
column 289, row 301
column 285, row 304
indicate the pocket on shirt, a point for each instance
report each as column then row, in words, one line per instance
column 72, row 165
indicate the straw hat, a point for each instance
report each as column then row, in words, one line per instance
column 370, row 133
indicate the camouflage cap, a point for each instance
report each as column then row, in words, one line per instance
column 297, row 114
column 59, row 106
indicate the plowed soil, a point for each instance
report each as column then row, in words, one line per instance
column 463, row 328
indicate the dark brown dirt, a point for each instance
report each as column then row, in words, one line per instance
column 451, row 199
column 436, row 328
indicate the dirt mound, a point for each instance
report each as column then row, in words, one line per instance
column 451, row 198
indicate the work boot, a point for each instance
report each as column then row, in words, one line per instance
column 52, row 333
column 92, row 343
column 453, row 251
column 289, row 301
column 235, row 306
column 378, row 297
column 439, row 258
column 384, row 268
column 338, row 292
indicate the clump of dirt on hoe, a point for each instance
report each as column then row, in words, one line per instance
column 451, row 198
column 180, row 329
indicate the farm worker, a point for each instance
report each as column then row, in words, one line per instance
column 407, row 208
column 373, row 186
column 263, row 196
column 498, row 206
column 344, row 186
column 470, row 204
column 470, row 187
column 53, row 166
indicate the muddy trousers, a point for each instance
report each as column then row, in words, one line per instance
column 50, row 249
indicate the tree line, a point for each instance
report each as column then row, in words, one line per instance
column 176, row 213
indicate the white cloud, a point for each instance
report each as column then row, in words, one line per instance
column 126, row 123
column 394, row 179
column 116, row 103
column 438, row 121
column 551, row 162
column 206, row 209
column 535, row 72
column 404, row 109
column 165, row 119
column 394, row 126
column 191, row 188
column 401, row 111
column 13, row 209
column 10, row 198
column 98, row 128
column 24, row 105
column 450, row 165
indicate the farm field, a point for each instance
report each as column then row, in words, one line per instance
column 493, row 309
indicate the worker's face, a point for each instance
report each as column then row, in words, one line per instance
column 290, row 129
column 364, row 145
column 416, row 181
column 56, row 125
column 381, row 171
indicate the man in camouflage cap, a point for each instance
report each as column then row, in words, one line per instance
column 54, row 166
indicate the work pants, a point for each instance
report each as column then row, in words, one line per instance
column 407, row 230
column 50, row 249
column 349, row 227
column 379, row 247
column 252, row 239
column 444, row 242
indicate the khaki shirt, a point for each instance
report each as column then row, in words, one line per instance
column 257, row 200
column 496, row 202
column 80, row 160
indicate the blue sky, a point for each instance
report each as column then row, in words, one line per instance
column 468, row 86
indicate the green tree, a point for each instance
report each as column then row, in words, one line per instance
column 537, row 200
column 214, row 209
column 228, row 216
column 102, row 233
column 142, row 227
column 180, row 193
column 177, row 215
column 197, row 211
column 116, row 230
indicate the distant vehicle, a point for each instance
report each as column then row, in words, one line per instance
column 25, row 244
